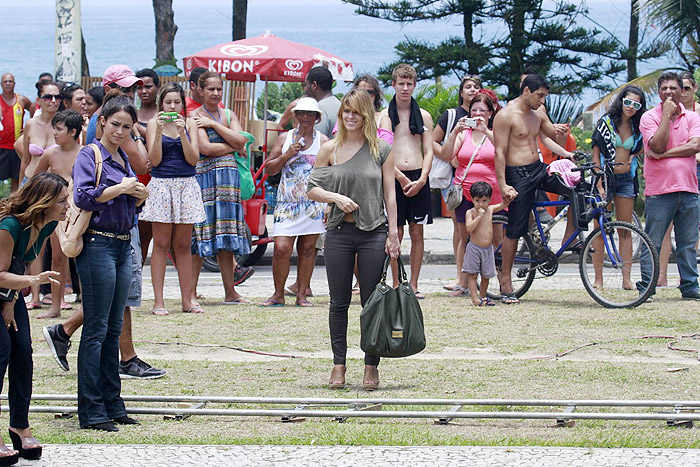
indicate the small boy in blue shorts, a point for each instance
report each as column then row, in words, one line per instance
column 478, row 256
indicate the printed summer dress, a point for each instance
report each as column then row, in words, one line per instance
column 295, row 214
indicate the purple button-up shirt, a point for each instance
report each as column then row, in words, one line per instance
column 117, row 214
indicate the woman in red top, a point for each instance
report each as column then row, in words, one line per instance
column 462, row 145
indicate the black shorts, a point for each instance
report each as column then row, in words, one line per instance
column 527, row 179
column 416, row 209
column 9, row 164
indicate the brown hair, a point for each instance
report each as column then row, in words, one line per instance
column 171, row 87
column 404, row 70
column 488, row 102
column 29, row 203
column 207, row 75
column 475, row 78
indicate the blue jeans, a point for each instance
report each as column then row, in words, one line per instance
column 16, row 350
column 105, row 269
column 682, row 209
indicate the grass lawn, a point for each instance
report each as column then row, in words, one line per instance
column 472, row 353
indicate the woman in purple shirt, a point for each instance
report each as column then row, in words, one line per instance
column 104, row 266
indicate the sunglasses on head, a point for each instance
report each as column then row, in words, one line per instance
column 49, row 97
column 631, row 103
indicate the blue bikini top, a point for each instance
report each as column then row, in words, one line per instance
column 628, row 144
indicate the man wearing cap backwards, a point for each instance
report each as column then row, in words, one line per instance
column 58, row 335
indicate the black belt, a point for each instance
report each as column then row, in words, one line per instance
column 109, row 234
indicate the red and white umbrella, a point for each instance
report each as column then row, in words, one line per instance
column 269, row 57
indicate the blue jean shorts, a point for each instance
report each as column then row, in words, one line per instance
column 134, row 299
column 624, row 185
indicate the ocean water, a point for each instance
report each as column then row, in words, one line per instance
column 123, row 32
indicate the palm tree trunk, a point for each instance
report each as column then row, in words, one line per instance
column 165, row 31
column 633, row 42
column 240, row 15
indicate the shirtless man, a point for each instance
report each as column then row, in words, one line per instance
column 518, row 168
column 12, row 107
column 413, row 156
column 67, row 128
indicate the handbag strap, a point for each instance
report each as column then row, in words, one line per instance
column 403, row 277
column 476, row 149
column 98, row 162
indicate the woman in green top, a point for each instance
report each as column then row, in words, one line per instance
column 28, row 217
column 354, row 173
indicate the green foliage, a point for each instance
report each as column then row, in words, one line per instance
column 535, row 35
column 562, row 108
column 455, row 54
column 680, row 26
column 583, row 138
column 4, row 189
column 548, row 40
column 279, row 97
column 435, row 99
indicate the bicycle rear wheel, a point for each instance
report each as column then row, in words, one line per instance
column 609, row 269
column 523, row 271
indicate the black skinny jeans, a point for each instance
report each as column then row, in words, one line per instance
column 16, row 350
column 342, row 244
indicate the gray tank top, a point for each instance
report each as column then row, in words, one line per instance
column 360, row 179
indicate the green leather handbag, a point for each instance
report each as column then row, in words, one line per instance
column 391, row 322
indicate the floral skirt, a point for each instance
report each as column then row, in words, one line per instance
column 174, row 201
column 224, row 227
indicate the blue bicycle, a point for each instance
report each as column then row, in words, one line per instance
column 609, row 259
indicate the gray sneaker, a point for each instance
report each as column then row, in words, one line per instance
column 138, row 369
column 57, row 345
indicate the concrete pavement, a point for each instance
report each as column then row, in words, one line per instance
column 351, row 456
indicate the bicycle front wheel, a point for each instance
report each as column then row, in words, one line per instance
column 611, row 272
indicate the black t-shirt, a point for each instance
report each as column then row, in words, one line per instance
column 442, row 121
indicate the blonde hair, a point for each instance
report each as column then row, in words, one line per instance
column 360, row 102
column 29, row 203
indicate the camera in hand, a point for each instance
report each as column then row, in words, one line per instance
column 469, row 122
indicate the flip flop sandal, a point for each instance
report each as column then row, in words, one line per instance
column 46, row 301
column 486, row 302
column 66, row 306
column 460, row 292
column 509, row 298
column 270, row 304
column 33, row 306
column 195, row 308
column 304, row 303
column 160, row 311
column 420, row 296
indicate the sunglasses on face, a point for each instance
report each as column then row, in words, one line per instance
column 687, row 88
column 49, row 97
column 630, row 103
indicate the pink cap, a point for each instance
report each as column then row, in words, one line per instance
column 121, row 75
